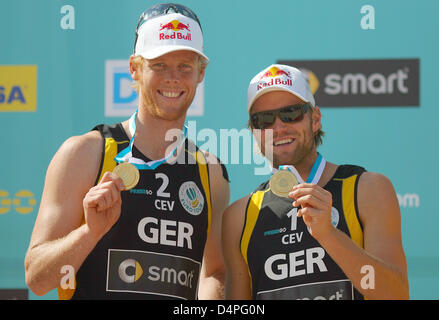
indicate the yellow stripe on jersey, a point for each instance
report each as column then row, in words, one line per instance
column 348, row 199
column 110, row 153
column 252, row 215
column 204, row 175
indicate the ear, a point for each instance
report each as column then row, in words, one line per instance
column 201, row 75
column 134, row 69
column 316, row 120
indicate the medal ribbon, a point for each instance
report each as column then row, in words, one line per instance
column 314, row 175
column 126, row 155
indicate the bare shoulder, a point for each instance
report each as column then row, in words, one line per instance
column 75, row 165
column 217, row 175
column 375, row 185
column 376, row 197
column 88, row 142
column 79, row 153
column 234, row 216
column 215, row 166
column 71, row 173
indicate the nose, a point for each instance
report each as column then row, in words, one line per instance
column 279, row 127
column 172, row 76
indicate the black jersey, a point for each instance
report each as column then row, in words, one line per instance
column 284, row 260
column 155, row 249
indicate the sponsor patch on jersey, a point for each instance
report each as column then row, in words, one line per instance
column 335, row 216
column 329, row 290
column 191, row 198
column 152, row 273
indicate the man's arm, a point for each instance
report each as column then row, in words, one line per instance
column 212, row 272
column 383, row 253
column 60, row 236
column 238, row 283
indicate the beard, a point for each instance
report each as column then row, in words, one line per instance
column 299, row 155
column 303, row 149
column 170, row 113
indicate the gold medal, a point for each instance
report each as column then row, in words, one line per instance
column 282, row 182
column 128, row 173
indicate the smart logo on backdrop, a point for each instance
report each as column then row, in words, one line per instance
column 18, row 88
column 121, row 99
column 354, row 83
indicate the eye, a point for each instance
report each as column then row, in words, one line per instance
column 184, row 67
column 159, row 66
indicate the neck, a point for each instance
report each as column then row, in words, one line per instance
column 304, row 167
column 154, row 135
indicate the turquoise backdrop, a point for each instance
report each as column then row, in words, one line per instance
column 241, row 38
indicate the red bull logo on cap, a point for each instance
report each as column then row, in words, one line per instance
column 274, row 73
column 177, row 27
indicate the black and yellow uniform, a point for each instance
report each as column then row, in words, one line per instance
column 155, row 249
column 284, row 260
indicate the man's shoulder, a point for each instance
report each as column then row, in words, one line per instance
column 82, row 152
column 375, row 180
column 376, row 196
column 76, row 162
column 217, row 169
column 90, row 141
column 235, row 214
column 239, row 205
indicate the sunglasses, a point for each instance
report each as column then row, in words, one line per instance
column 288, row 114
column 161, row 10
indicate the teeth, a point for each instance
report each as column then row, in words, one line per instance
column 170, row 94
column 283, row 141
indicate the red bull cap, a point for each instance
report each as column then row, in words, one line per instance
column 167, row 33
column 278, row 77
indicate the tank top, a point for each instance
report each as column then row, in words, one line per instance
column 155, row 249
column 284, row 260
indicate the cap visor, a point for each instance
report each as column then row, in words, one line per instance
column 268, row 89
column 157, row 52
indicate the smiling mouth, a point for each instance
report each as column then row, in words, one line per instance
column 283, row 142
column 171, row 94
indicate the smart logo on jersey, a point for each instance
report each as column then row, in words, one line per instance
column 177, row 27
column 18, row 88
column 191, row 198
column 123, row 271
column 152, row 273
column 274, row 76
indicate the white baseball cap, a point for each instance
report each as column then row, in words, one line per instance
column 279, row 77
column 165, row 31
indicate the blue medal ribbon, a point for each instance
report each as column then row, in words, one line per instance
column 126, row 155
column 314, row 175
